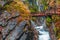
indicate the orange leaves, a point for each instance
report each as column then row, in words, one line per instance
column 51, row 3
column 19, row 19
column 57, row 24
column 56, row 19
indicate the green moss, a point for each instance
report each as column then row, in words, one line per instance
column 48, row 20
column 0, row 5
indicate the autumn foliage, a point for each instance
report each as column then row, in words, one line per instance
column 18, row 6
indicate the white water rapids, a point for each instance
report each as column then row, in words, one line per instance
column 43, row 31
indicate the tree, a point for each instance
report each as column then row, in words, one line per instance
column 48, row 21
column 33, row 7
column 56, row 19
column 18, row 6
column 44, row 3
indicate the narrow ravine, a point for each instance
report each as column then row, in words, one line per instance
column 43, row 31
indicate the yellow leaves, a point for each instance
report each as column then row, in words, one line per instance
column 56, row 18
column 16, row 0
column 46, row 7
column 18, row 6
column 21, row 8
column 58, row 2
column 25, row 13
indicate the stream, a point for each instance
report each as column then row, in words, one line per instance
column 43, row 32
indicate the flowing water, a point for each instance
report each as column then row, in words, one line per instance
column 43, row 31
